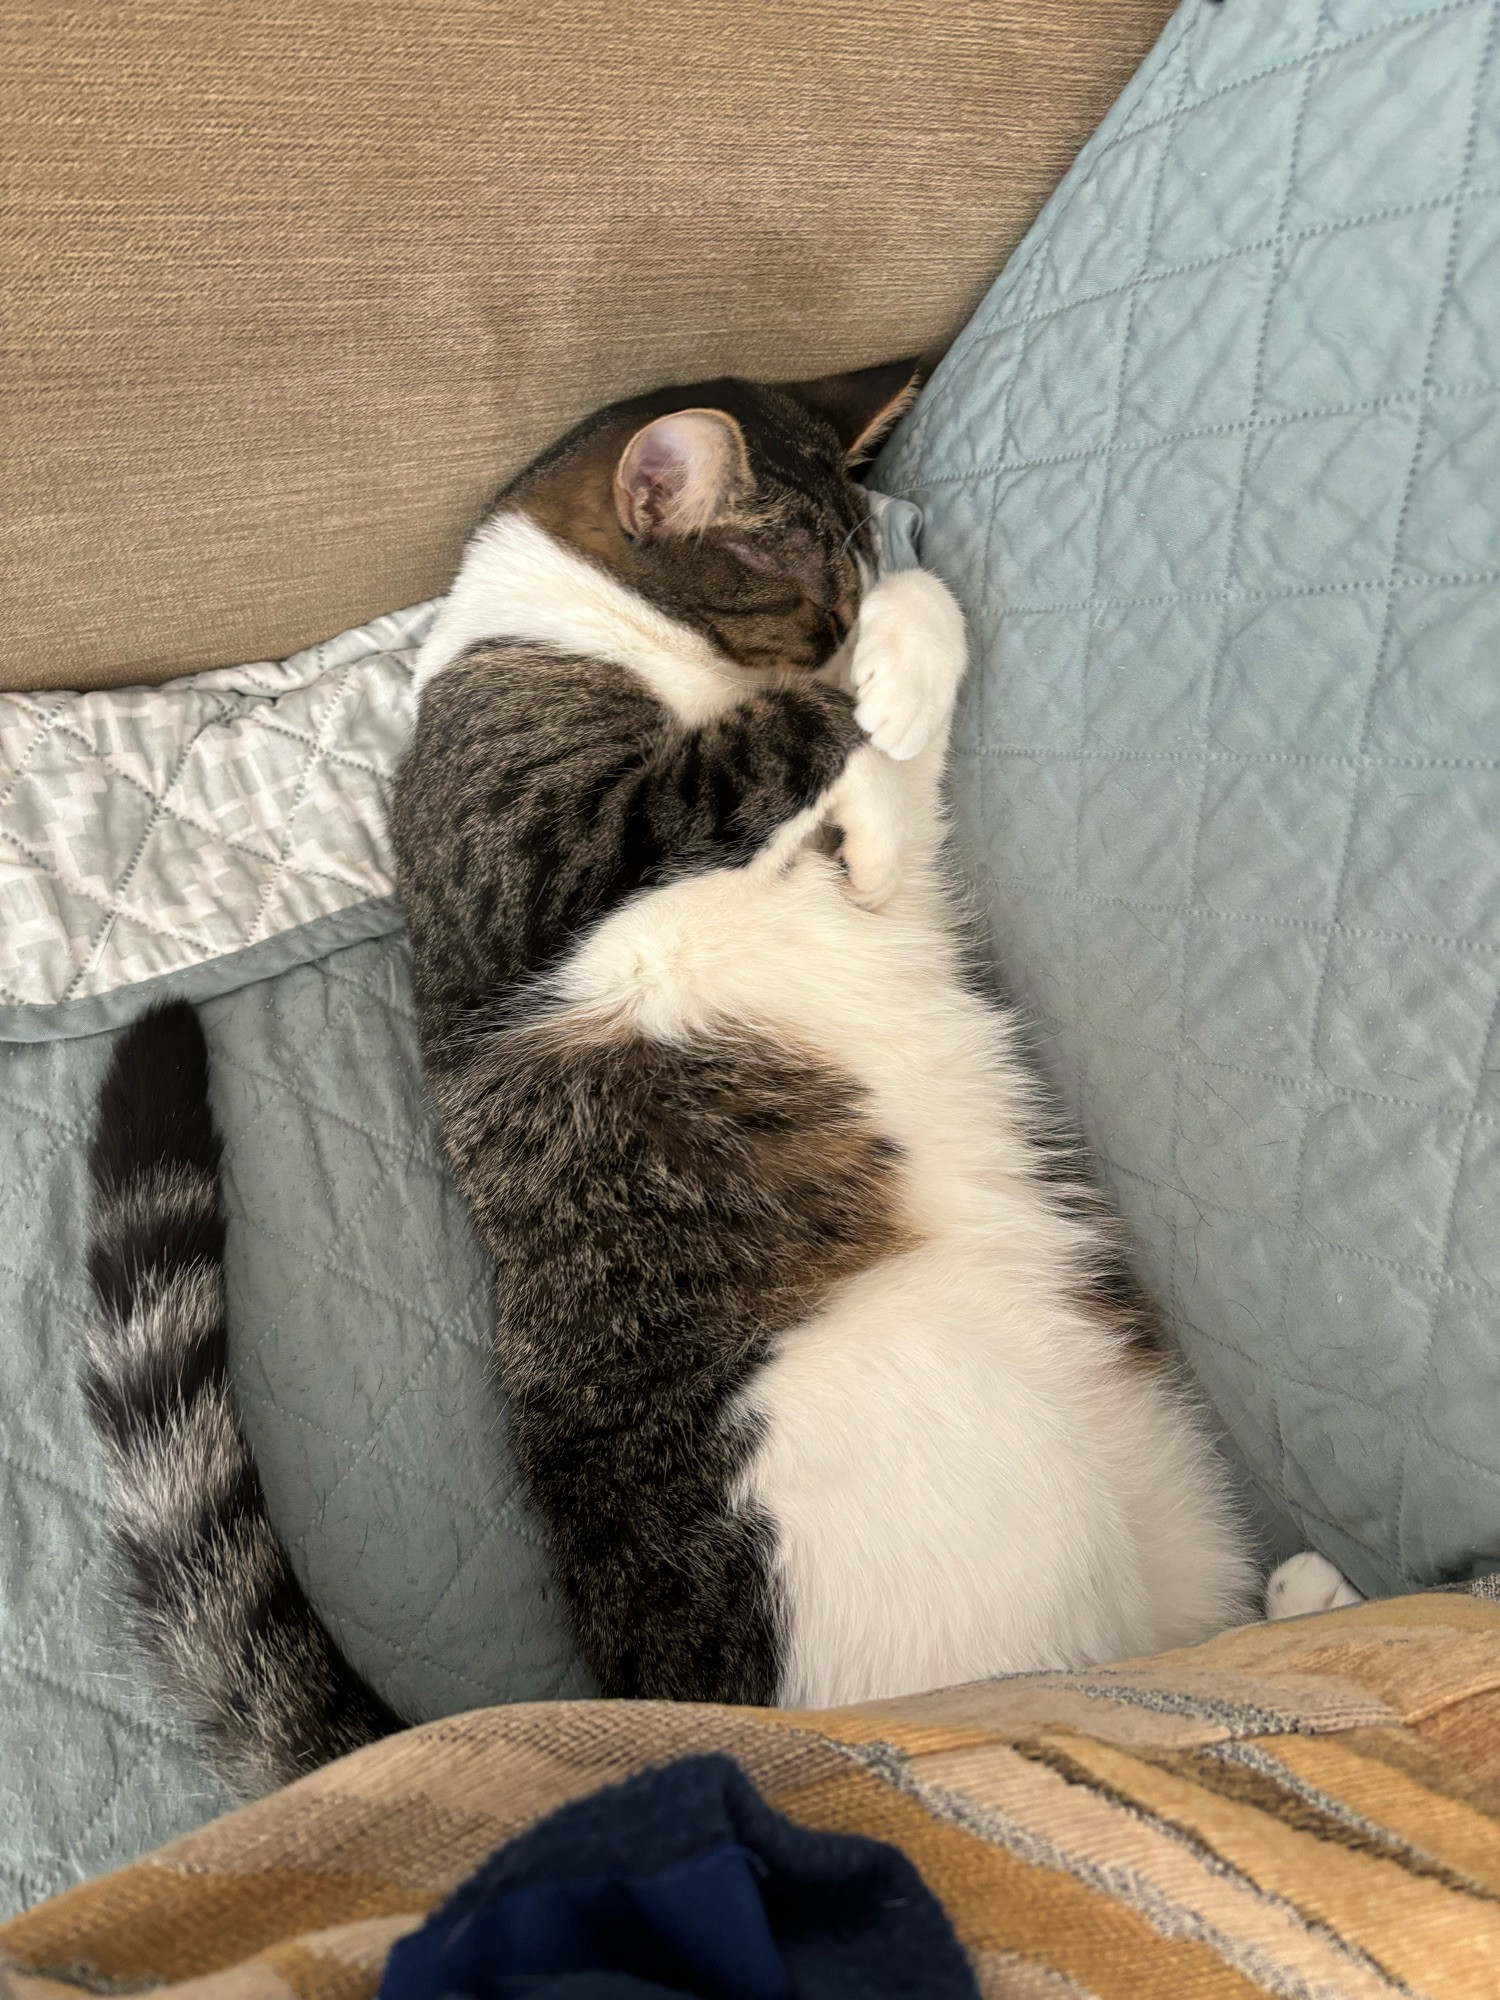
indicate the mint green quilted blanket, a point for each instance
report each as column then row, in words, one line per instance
column 1215, row 471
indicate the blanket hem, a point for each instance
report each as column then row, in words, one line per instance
column 206, row 979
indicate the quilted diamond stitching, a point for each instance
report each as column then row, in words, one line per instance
column 502, row 1514
column 1127, row 754
column 331, row 710
column 1167, row 129
column 95, row 946
column 318, row 1266
column 1430, row 1341
column 195, row 947
column 1378, row 667
column 65, row 1134
column 1170, row 81
column 1334, row 45
column 1274, row 267
column 412, row 1150
column 454, row 1612
column 337, row 976
column 1266, row 918
column 321, row 1266
column 418, row 1159
column 1058, row 936
column 1048, row 608
column 474, row 1693
column 213, row 833
column 147, row 1767
column 1275, row 270
column 353, row 692
column 28, row 750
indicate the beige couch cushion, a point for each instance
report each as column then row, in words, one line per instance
column 289, row 289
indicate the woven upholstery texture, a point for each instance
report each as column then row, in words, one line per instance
column 287, row 290
column 1307, row 1810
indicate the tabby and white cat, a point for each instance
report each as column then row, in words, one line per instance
column 825, row 1369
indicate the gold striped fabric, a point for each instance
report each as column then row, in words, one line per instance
column 1309, row 1809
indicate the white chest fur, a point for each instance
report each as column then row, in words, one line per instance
column 518, row 582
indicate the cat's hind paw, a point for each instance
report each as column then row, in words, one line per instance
column 1307, row 1583
column 909, row 657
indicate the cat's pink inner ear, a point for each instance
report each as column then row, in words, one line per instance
column 677, row 475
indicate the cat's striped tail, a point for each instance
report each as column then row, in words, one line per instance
column 216, row 1600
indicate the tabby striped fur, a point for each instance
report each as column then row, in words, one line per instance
column 215, row 1599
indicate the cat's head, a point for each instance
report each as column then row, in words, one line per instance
column 730, row 504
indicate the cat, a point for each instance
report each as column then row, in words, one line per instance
column 826, row 1369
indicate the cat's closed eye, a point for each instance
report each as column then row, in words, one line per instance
column 761, row 560
column 796, row 560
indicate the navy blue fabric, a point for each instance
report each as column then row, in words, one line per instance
column 683, row 1881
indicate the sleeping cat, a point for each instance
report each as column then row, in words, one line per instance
column 825, row 1368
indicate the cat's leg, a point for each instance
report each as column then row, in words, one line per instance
column 908, row 660
column 744, row 788
column 1307, row 1583
column 868, row 813
column 907, row 663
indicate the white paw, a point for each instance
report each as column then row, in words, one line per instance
column 1307, row 1583
column 868, row 809
column 871, row 858
column 909, row 657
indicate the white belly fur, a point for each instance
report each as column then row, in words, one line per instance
column 964, row 1476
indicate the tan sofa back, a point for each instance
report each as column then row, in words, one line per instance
column 288, row 289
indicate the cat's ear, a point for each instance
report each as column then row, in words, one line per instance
column 862, row 406
column 680, row 473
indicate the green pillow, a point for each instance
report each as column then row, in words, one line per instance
column 1215, row 471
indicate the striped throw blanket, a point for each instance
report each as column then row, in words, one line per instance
column 1309, row 1809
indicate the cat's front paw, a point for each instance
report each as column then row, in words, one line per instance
column 866, row 818
column 871, row 859
column 1307, row 1583
column 909, row 657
